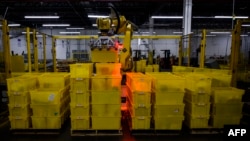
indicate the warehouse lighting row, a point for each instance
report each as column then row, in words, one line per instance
column 217, row 17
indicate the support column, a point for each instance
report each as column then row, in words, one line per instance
column 203, row 48
column 180, row 52
column 44, row 53
column 35, row 50
column 187, row 18
column 235, row 52
column 28, row 48
column 6, row 48
column 54, row 53
column 150, row 51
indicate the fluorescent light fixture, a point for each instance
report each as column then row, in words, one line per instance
column 167, row 17
column 210, row 35
column 69, row 32
column 39, row 36
column 243, row 35
column 94, row 24
column 30, row 32
column 246, row 25
column 56, row 24
column 97, row 16
column 75, row 28
column 220, row 32
column 230, row 17
column 11, row 25
column 41, row 17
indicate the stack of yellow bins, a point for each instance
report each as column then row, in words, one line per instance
column 80, row 75
column 226, row 106
column 197, row 100
column 168, row 109
column 106, row 97
column 139, row 100
column 19, row 100
column 50, row 102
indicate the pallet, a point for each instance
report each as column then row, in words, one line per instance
column 92, row 132
column 209, row 130
column 35, row 131
column 150, row 132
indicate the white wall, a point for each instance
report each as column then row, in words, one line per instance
column 218, row 45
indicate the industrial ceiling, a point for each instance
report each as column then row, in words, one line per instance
column 75, row 12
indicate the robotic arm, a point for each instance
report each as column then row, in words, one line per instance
column 116, row 24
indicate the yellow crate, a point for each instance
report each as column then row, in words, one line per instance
column 165, row 98
column 196, row 121
column 141, row 110
column 227, row 95
column 21, row 83
column 168, row 110
column 104, row 56
column 221, row 71
column 139, row 97
column 54, row 122
column 106, row 123
column 140, row 122
column 182, row 69
column 108, row 68
column 80, row 70
column 198, row 82
column 156, row 68
column 80, row 122
column 53, row 81
column 106, row 82
column 167, row 82
column 207, row 70
column 79, row 97
column 138, row 82
column 17, row 122
column 19, row 110
column 228, row 109
column 168, row 123
column 106, row 110
column 105, row 97
column 220, row 121
column 19, row 98
column 197, row 109
column 79, row 84
column 143, row 65
column 49, row 96
column 149, row 68
column 47, row 110
column 79, row 110
column 195, row 97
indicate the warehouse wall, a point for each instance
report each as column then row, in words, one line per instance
column 216, row 46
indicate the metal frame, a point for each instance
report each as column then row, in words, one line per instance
column 180, row 52
column 28, row 48
column 44, row 53
column 96, row 37
column 35, row 49
column 203, row 48
column 6, row 48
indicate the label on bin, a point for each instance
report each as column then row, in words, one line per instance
column 16, row 93
column 79, row 117
column 17, row 105
column 18, row 117
column 51, row 97
column 141, row 92
column 176, row 110
column 141, row 105
column 141, row 117
column 79, row 78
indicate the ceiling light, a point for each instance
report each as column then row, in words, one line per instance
column 41, row 17
column 202, row 17
column 94, row 24
column 245, row 25
column 230, row 17
column 29, row 32
column 243, row 35
column 210, row 35
column 167, row 17
column 74, row 28
column 177, row 32
column 69, row 32
column 97, row 16
column 11, row 25
column 220, row 32
column 56, row 24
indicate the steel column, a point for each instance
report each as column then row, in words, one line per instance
column 44, row 53
column 202, row 49
column 28, row 48
column 35, row 49
column 189, row 49
column 54, row 54
column 180, row 52
column 6, row 48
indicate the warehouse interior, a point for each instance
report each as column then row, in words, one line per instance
column 123, row 69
